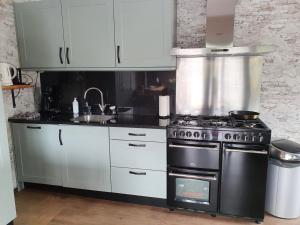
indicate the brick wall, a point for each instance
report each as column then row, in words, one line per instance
column 9, row 54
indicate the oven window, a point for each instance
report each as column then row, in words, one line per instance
column 191, row 190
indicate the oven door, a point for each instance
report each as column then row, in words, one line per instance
column 195, row 190
column 193, row 154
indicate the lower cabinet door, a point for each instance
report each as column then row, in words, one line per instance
column 86, row 158
column 147, row 183
column 243, row 183
column 38, row 154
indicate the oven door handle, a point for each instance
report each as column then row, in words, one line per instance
column 194, row 147
column 209, row 178
column 250, row 151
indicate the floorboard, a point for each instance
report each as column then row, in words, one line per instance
column 40, row 207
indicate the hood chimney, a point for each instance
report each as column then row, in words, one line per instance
column 220, row 34
column 220, row 23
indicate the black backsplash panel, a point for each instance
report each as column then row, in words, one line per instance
column 140, row 90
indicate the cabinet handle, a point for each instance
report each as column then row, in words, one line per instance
column 59, row 137
column 34, row 128
column 135, row 145
column 60, row 55
column 68, row 55
column 136, row 135
column 118, row 54
column 138, row 173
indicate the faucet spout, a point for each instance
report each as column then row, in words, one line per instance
column 101, row 105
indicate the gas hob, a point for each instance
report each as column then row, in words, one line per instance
column 213, row 128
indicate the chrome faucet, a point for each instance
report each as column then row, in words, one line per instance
column 101, row 105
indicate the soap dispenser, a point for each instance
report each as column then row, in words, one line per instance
column 75, row 108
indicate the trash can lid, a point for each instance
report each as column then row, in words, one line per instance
column 286, row 150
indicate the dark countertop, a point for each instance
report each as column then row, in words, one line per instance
column 136, row 121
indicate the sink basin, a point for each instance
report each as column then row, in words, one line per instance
column 93, row 118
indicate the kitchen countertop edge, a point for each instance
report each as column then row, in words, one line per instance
column 129, row 125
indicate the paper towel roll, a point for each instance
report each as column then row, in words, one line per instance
column 164, row 106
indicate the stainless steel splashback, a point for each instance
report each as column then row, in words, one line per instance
column 217, row 85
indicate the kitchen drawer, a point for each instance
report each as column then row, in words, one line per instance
column 136, row 154
column 138, row 182
column 138, row 134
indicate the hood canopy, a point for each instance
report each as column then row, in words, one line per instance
column 220, row 34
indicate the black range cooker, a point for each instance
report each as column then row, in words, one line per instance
column 218, row 165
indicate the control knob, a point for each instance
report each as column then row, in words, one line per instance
column 236, row 137
column 227, row 136
column 182, row 133
column 261, row 139
column 245, row 138
column 204, row 135
column 175, row 133
column 189, row 134
column 196, row 134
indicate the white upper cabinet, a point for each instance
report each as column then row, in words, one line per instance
column 144, row 32
column 96, row 34
column 40, row 34
column 89, row 33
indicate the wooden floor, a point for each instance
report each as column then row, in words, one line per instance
column 37, row 207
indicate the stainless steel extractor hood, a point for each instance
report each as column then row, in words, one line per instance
column 220, row 34
column 219, row 78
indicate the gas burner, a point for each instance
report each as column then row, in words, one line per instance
column 184, row 122
column 214, row 121
column 246, row 124
column 204, row 121
column 213, row 128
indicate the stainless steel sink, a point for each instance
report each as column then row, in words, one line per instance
column 93, row 118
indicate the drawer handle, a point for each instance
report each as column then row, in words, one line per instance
column 136, row 135
column 135, row 145
column 211, row 178
column 138, row 173
column 34, row 128
column 208, row 148
column 250, row 151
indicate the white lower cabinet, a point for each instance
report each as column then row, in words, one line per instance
column 68, row 156
column 139, row 161
column 84, row 157
column 139, row 182
column 86, row 163
column 37, row 152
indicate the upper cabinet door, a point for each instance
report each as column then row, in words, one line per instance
column 89, row 33
column 145, row 33
column 40, row 34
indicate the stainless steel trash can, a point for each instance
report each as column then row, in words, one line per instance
column 283, row 184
